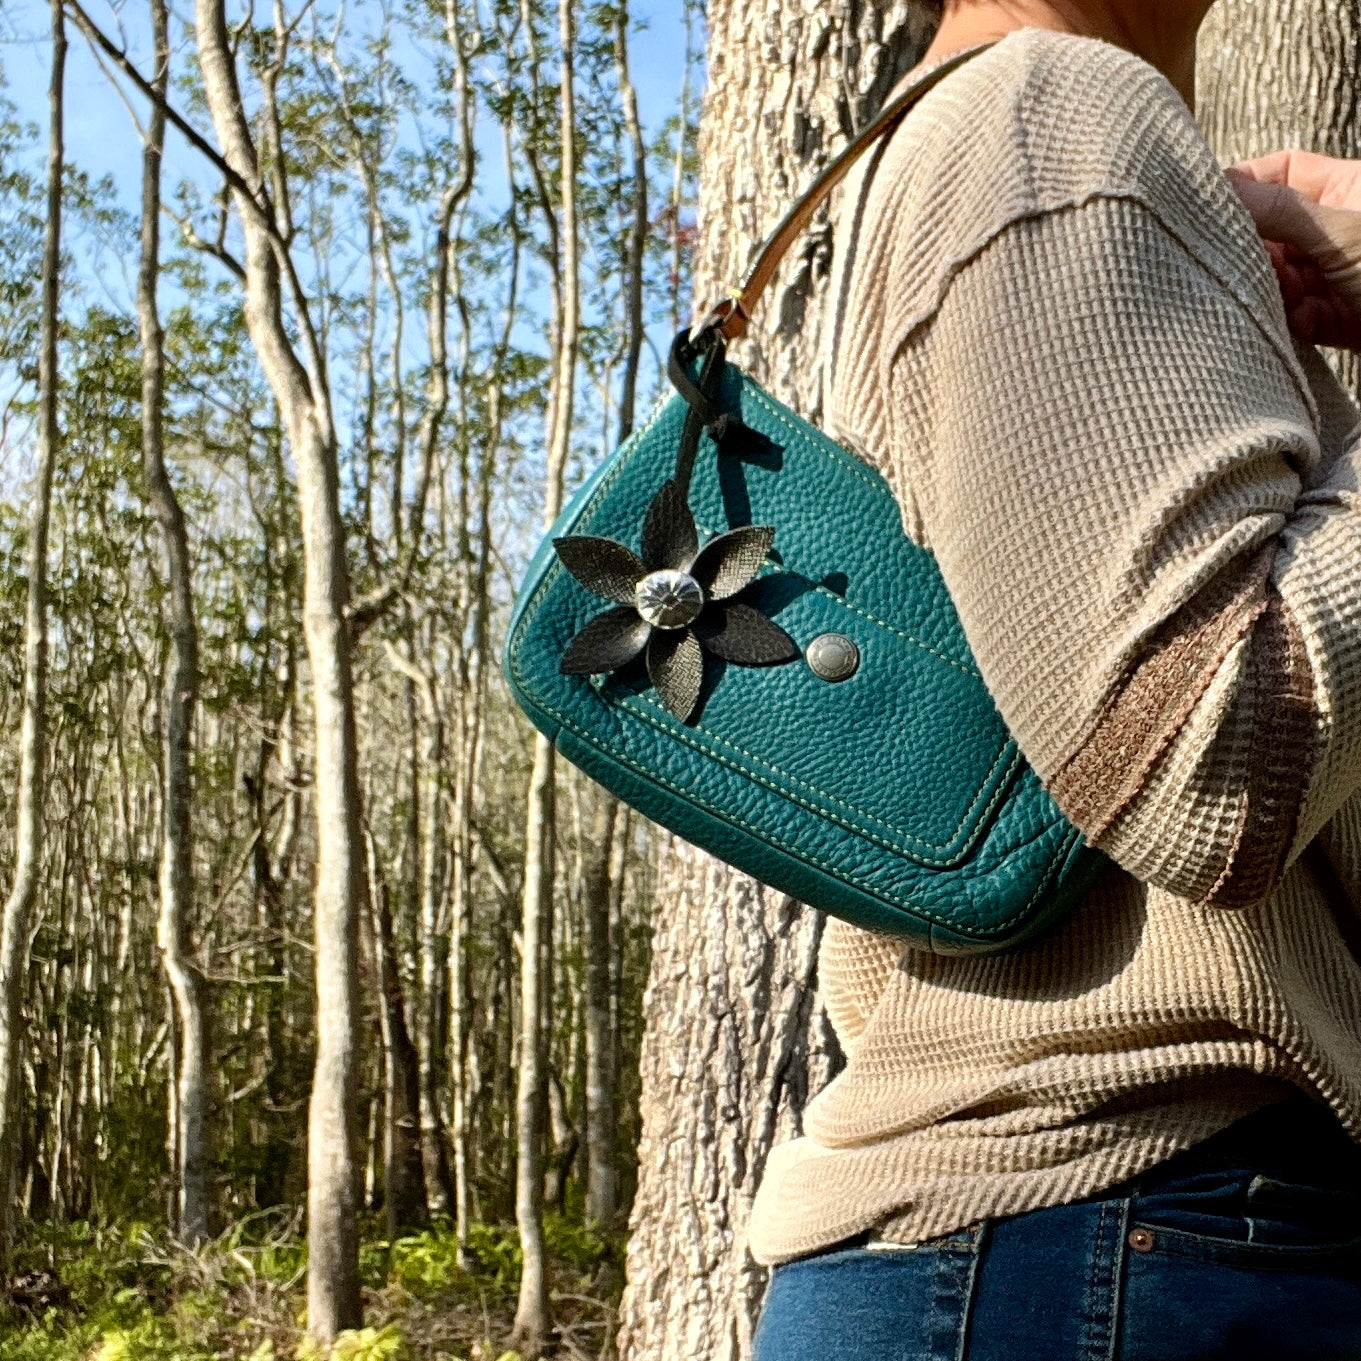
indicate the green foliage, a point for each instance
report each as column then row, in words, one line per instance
column 427, row 1262
column 132, row 1296
column 367, row 138
column 363, row 1344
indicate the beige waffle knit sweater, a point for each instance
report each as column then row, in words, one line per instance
column 1064, row 346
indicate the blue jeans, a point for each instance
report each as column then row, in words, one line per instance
column 1244, row 1248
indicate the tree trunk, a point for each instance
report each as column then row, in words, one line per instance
column 638, row 228
column 458, row 987
column 300, row 388
column 464, row 1074
column 190, row 1137
column 403, row 1170
column 690, row 10
column 28, row 832
column 602, row 1183
column 729, row 985
column 533, row 1322
column 431, row 944
column 1282, row 73
column 433, row 948
column 533, row 1318
column 602, row 1180
column 735, row 1043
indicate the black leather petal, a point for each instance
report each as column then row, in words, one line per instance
column 601, row 565
column 669, row 535
column 738, row 633
column 675, row 665
column 608, row 642
column 730, row 561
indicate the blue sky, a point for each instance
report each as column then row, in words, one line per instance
column 101, row 140
column 99, row 135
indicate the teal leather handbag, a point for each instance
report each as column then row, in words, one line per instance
column 729, row 629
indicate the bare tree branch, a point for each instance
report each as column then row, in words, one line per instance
column 186, row 129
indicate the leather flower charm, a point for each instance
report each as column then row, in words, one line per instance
column 677, row 600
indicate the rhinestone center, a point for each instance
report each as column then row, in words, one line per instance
column 668, row 599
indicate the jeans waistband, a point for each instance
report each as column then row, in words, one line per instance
column 1294, row 1138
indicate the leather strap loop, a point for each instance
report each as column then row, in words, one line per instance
column 702, row 413
column 730, row 316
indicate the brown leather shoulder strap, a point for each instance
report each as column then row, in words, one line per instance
column 731, row 315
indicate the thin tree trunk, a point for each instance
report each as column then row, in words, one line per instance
column 602, row 1183
column 173, row 1128
column 462, row 1051
column 618, row 874
column 533, row 1318
column 375, row 1136
column 270, row 871
column 403, row 1172
column 181, row 686
column 433, row 950
column 678, row 159
column 427, row 841
column 638, row 228
column 333, row 1294
column 735, row 1042
column 533, row 1321
column 459, row 983
column 14, row 928
column 439, row 971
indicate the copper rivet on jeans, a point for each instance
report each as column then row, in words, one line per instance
column 1141, row 1240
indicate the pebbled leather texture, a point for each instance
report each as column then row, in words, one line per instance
column 895, row 799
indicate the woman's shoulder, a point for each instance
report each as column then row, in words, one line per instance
column 1039, row 123
column 1061, row 114
column 1041, row 128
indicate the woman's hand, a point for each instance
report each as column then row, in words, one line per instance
column 1308, row 210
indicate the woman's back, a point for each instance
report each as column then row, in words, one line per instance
column 1063, row 344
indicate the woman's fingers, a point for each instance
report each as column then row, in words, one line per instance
column 1315, row 246
column 1328, row 180
column 1319, row 321
column 1283, row 214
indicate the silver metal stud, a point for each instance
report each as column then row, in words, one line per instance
column 668, row 599
column 832, row 657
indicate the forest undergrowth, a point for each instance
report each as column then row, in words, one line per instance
column 126, row 1293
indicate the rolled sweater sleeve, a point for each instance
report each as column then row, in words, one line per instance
column 1162, row 587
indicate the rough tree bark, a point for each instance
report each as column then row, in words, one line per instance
column 735, row 1042
column 189, row 1138
column 690, row 10
column 533, row 1318
column 1282, row 73
column 28, row 831
column 728, row 998
column 299, row 383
